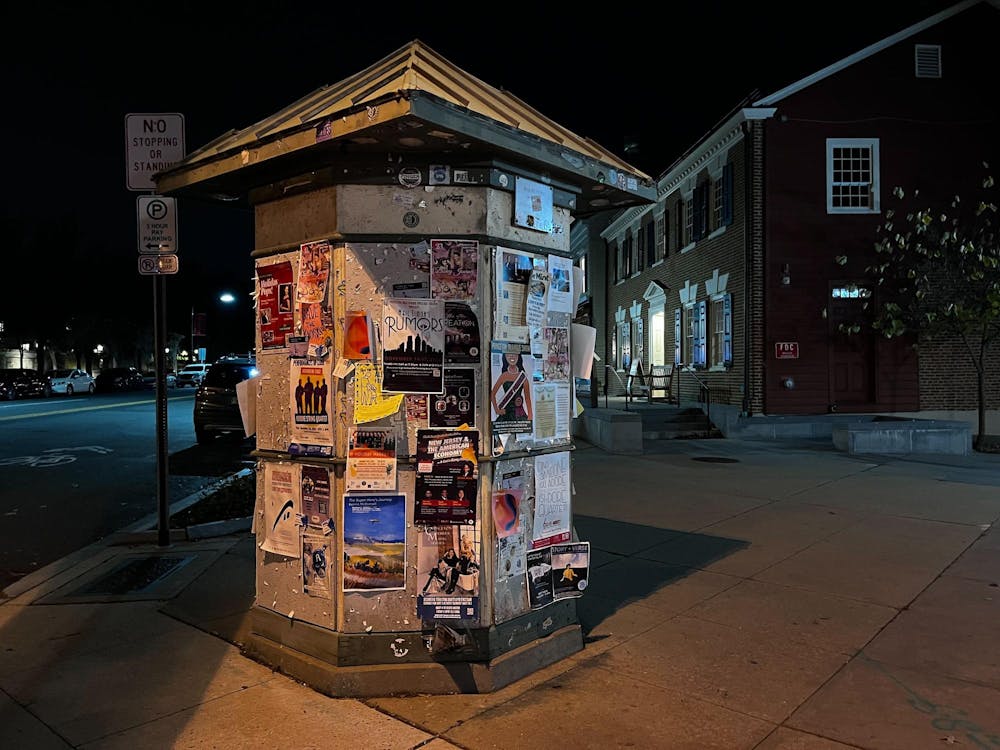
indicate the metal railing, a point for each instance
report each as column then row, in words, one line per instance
column 703, row 388
column 620, row 382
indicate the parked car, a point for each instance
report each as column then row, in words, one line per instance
column 117, row 379
column 192, row 374
column 216, row 408
column 22, row 383
column 149, row 378
column 72, row 381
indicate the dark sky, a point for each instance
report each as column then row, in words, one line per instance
column 72, row 73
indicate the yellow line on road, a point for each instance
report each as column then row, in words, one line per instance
column 77, row 409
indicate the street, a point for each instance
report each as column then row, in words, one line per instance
column 75, row 469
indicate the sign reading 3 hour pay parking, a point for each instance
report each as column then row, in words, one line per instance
column 157, row 224
column 153, row 142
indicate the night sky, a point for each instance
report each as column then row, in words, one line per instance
column 71, row 74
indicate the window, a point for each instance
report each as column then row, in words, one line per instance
column 651, row 232
column 662, row 232
column 640, row 249
column 699, row 219
column 638, row 343
column 721, row 316
column 624, row 345
column 627, row 252
column 722, row 207
column 616, row 256
column 852, row 176
column 688, row 223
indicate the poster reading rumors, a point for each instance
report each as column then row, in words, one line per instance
column 274, row 301
column 447, row 476
column 413, row 348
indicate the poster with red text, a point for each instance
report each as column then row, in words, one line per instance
column 274, row 303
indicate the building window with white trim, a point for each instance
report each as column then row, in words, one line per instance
column 688, row 222
column 721, row 321
column 852, row 172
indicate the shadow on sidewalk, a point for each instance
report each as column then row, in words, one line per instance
column 629, row 562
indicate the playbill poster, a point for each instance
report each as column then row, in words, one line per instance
column 457, row 405
column 316, row 553
column 413, row 345
column 454, row 268
column 570, row 569
column 448, row 573
column 540, row 591
column 511, row 366
column 309, row 399
column 274, row 301
column 314, row 271
column 374, row 542
column 461, row 335
column 552, row 500
column 371, row 459
column 281, row 510
column 315, row 484
column 447, row 476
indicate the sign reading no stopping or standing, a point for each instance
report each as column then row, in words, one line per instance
column 153, row 142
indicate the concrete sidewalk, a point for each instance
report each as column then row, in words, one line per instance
column 743, row 594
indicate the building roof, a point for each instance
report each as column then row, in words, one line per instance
column 419, row 107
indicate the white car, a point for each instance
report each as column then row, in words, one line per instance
column 192, row 374
column 71, row 381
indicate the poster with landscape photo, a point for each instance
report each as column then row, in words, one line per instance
column 374, row 542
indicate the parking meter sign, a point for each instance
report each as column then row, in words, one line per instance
column 157, row 221
column 157, row 265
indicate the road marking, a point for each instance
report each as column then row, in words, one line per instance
column 86, row 408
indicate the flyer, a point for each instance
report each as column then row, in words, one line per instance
column 309, row 400
column 448, row 572
column 507, row 494
column 369, row 402
column 274, row 301
column 552, row 500
column 316, row 557
column 416, row 409
column 538, row 294
column 540, row 591
column 457, row 405
column 315, row 483
column 447, row 476
column 371, row 459
column 510, row 394
column 357, row 335
column 461, row 338
column 316, row 325
column 551, row 411
column 561, row 290
column 314, row 271
column 570, row 569
column 281, row 534
column 454, row 268
column 413, row 354
column 374, row 542
column 512, row 273
column 555, row 362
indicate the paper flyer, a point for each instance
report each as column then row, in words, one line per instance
column 454, row 268
column 447, row 476
column 448, row 573
column 315, row 493
column 582, row 349
column 570, row 569
column 555, row 361
column 508, row 491
column 317, row 553
column 357, row 335
column 539, row 562
column 552, row 500
column 510, row 393
column 246, row 399
column 309, row 400
column 371, row 459
column 413, row 348
column 314, row 271
column 274, row 302
column 513, row 270
column 369, row 403
column 281, row 533
column 457, row 405
column 416, row 409
column 461, row 338
column 316, row 325
column 561, row 289
column 551, row 411
column 374, row 542
column 537, row 301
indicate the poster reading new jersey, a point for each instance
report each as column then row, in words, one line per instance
column 447, row 476
column 309, row 398
column 413, row 345
column 448, row 573
column 457, row 405
column 374, row 542
column 274, row 300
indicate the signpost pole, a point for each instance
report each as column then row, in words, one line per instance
column 159, row 342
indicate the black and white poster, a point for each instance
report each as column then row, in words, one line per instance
column 457, row 404
column 413, row 345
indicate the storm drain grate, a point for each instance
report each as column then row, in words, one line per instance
column 716, row 459
column 134, row 576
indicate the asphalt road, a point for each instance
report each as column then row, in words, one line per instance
column 75, row 469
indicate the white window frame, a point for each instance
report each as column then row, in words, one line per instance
column 689, row 326
column 871, row 183
column 717, row 321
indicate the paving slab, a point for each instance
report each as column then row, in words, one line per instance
column 789, row 739
column 619, row 537
column 979, row 562
column 607, row 623
column 19, row 728
column 872, row 705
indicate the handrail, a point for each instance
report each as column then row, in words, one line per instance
column 620, row 382
column 703, row 388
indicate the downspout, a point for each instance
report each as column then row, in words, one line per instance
column 747, row 258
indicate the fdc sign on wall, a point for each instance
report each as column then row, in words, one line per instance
column 153, row 142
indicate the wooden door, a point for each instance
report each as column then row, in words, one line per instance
column 852, row 355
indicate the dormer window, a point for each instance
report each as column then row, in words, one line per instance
column 927, row 59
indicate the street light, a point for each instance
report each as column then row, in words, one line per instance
column 227, row 298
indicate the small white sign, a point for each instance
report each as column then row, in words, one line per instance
column 153, row 142
column 157, row 222
column 157, row 265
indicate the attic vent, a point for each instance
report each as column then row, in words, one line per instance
column 928, row 60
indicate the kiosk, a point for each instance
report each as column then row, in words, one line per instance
column 415, row 296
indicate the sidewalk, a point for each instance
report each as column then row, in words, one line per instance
column 743, row 594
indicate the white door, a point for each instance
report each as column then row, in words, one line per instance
column 657, row 339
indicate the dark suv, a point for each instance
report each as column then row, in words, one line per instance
column 22, row 383
column 216, row 408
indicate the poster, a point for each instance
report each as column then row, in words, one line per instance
column 570, row 569
column 447, row 476
column 555, row 361
column 316, row 325
column 314, row 271
column 461, row 336
column 510, row 393
column 454, row 268
column 357, row 335
column 448, row 573
column 274, row 302
column 512, row 273
column 416, row 409
column 315, row 493
column 281, row 534
column 369, row 402
column 413, row 354
column 317, row 553
column 561, row 290
column 552, row 405
column 374, row 542
column 539, row 563
column 457, row 405
column 508, row 492
column 538, row 294
column 309, row 400
column 552, row 500
column 371, row 459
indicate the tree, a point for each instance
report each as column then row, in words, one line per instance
column 937, row 270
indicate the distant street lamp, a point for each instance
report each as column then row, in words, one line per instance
column 227, row 298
